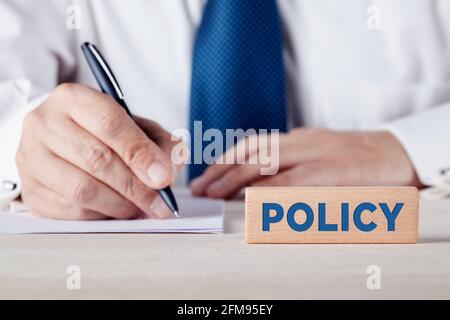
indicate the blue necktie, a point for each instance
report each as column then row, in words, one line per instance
column 238, row 77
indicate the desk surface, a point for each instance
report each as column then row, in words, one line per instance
column 224, row 267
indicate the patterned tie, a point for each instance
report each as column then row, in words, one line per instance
column 238, row 77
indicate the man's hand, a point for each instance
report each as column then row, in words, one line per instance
column 81, row 157
column 313, row 157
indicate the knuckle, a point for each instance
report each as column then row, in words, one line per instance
column 84, row 192
column 99, row 158
column 136, row 189
column 65, row 90
column 64, row 96
column 33, row 118
column 111, row 123
column 35, row 127
column 137, row 151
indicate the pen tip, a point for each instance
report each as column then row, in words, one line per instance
column 176, row 214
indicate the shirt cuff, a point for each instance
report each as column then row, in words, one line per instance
column 425, row 137
column 15, row 103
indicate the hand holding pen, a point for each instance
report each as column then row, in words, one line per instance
column 109, row 85
column 82, row 157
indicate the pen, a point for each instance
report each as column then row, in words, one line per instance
column 110, row 86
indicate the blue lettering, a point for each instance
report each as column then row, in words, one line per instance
column 267, row 218
column 273, row 213
column 391, row 216
column 323, row 226
column 309, row 217
column 358, row 220
column 345, row 214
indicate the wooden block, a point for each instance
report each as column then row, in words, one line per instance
column 332, row 215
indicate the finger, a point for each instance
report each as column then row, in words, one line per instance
column 45, row 203
column 104, row 118
column 306, row 175
column 233, row 181
column 267, row 158
column 77, row 187
column 229, row 160
column 241, row 176
column 200, row 185
column 75, row 145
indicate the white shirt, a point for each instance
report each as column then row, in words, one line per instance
column 353, row 64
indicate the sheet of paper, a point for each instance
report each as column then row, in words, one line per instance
column 198, row 216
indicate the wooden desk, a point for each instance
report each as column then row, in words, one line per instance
column 224, row 267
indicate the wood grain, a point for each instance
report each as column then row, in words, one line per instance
column 406, row 224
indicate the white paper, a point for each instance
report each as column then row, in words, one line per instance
column 198, row 216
